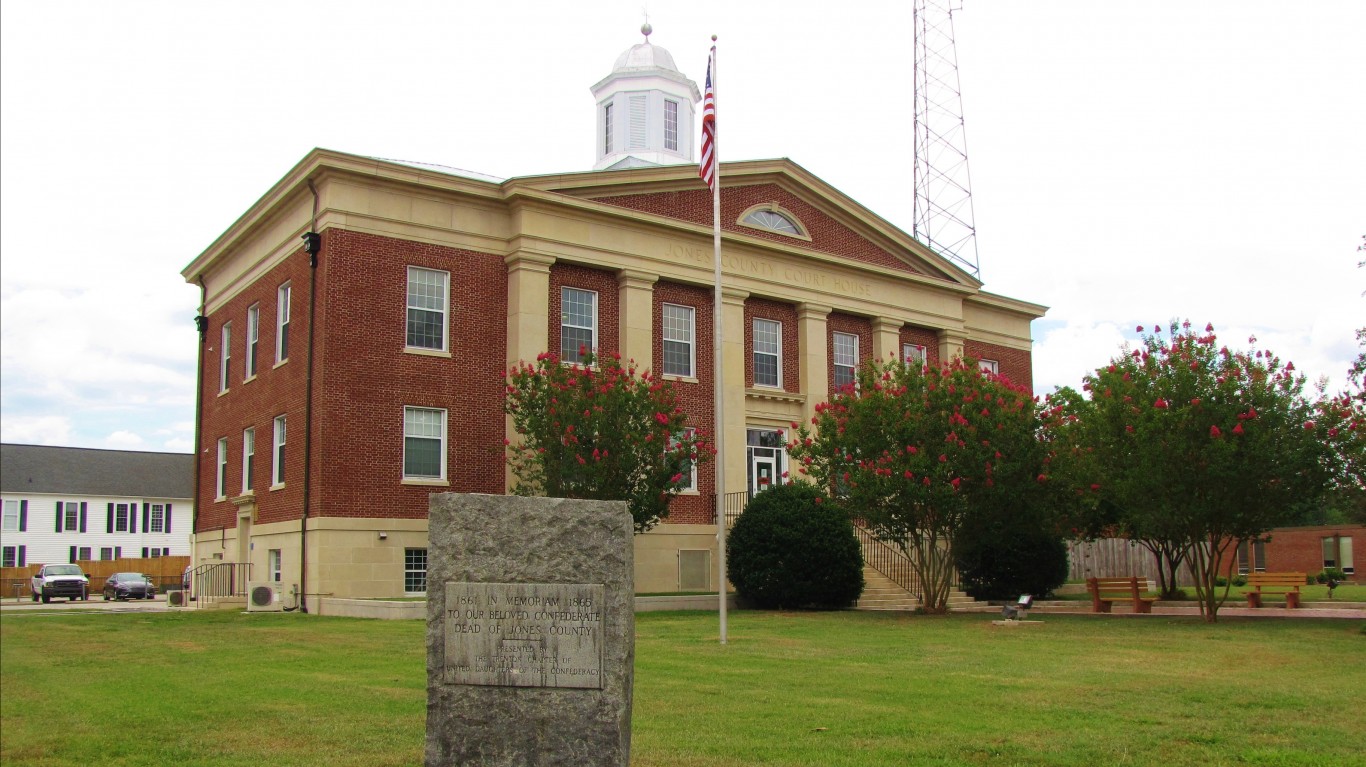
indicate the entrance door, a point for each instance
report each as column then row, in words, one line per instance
column 766, row 454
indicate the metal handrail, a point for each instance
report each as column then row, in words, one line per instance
column 891, row 562
column 220, row 579
column 735, row 504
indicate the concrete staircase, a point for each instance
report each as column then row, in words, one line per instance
column 880, row 593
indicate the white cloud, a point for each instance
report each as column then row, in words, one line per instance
column 36, row 430
column 123, row 440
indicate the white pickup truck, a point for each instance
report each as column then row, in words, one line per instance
column 60, row 581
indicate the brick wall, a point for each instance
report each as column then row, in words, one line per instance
column 609, row 312
column 1015, row 364
column 1300, row 549
column 764, row 309
column 276, row 390
column 924, row 337
column 697, row 399
column 847, row 323
column 827, row 234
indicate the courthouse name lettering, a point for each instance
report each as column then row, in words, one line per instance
column 758, row 267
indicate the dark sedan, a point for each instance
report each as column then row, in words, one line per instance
column 129, row 586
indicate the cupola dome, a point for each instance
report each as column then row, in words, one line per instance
column 645, row 110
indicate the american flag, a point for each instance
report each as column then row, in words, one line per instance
column 707, row 170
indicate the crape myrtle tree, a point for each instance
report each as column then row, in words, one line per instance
column 916, row 452
column 600, row 430
column 1193, row 448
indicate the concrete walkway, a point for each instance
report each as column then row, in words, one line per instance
column 1348, row 610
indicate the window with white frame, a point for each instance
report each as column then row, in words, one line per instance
column 11, row 518
column 913, row 354
column 427, row 292
column 768, row 350
column 282, row 324
column 106, row 553
column 72, row 516
column 253, row 336
column 415, row 571
column 273, row 565
column 578, row 323
column 277, row 454
column 221, row 487
column 424, row 443
column 9, row 556
column 225, row 358
column 679, row 352
column 671, row 125
column 989, row 366
column 248, row 460
column 83, row 553
column 773, row 221
column 156, row 519
column 121, row 520
column 687, row 466
column 846, row 358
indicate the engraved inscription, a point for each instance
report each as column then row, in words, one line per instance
column 524, row 634
column 760, row 268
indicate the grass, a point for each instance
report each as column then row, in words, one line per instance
column 205, row 688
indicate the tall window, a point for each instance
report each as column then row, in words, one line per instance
column 607, row 129
column 73, row 516
column 637, row 136
column 989, row 366
column 121, row 520
column 671, row 125
column 273, row 564
column 11, row 519
column 424, row 443
column 1337, row 552
column 678, row 340
column 846, row 358
column 9, row 557
column 221, row 486
column 415, row 571
column 578, row 322
column 427, row 308
column 913, row 354
column 687, row 467
column 248, row 458
column 225, row 358
column 277, row 455
column 253, row 335
column 768, row 349
column 156, row 519
column 282, row 324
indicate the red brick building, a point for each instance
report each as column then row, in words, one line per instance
column 360, row 317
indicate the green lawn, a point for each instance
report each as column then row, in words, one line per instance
column 202, row 688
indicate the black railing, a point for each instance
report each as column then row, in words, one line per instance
column 219, row 579
column 734, row 504
column 888, row 560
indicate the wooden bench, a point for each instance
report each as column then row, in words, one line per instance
column 1106, row 591
column 1274, row 583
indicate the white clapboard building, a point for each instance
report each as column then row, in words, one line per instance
column 64, row 504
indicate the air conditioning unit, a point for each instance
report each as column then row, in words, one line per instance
column 264, row 597
column 176, row 598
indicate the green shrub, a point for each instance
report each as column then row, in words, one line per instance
column 789, row 551
column 1238, row 580
column 1003, row 560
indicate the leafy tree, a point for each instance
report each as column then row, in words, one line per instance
column 599, row 430
column 917, row 452
column 790, row 551
column 1002, row 557
column 1193, row 449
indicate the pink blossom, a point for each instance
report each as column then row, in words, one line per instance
column 662, row 419
column 1160, row 404
column 1238, row 429
column 1214, row 432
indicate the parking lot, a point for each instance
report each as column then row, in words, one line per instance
column 24, row 605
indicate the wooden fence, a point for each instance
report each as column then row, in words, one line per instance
column 164, row 572
column 1115, row 558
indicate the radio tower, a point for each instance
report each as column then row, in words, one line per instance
column 943, row 189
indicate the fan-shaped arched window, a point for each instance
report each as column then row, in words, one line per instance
column 774, row 219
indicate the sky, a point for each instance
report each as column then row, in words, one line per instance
column 1131, row 162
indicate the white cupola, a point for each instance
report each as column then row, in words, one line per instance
column 645, row 110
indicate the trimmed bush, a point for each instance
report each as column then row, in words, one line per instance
column 789, row 552
column 1005, row 561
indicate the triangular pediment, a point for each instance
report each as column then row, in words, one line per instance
column 828, row 221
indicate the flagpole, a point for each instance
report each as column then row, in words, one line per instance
column 718, row 372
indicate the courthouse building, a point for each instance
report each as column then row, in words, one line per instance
column 359, row 320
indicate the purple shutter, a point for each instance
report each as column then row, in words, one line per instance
column 83, row 515
column 23, row 555
column 110, row 527
column 23, row 516
column 146, row 512
column 167, row 527
column 73, row 555
column 132, row 517
column 144, row 552
column 118, row 552
column 59, row 516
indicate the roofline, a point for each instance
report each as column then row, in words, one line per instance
column 95, row 449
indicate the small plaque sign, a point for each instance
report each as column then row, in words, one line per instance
column 524, row 634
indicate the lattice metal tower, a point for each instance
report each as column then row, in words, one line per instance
column 943, row 188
